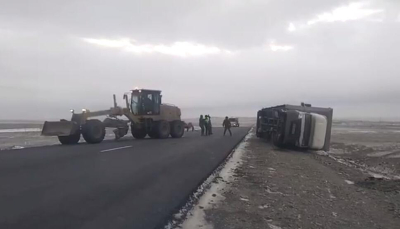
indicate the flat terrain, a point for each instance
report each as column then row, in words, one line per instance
column 373, row 146
column 355, row 186
column 124, row 184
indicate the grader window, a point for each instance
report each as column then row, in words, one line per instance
column 148, row 103
column 134, row 104
column 157, row 103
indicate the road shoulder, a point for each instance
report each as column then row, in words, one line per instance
column 275, row 188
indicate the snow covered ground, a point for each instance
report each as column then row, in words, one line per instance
column 20, row 130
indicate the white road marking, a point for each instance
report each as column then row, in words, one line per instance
column 123, row 147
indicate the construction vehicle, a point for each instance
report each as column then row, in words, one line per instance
column 145, row 113
column 234, row 122
column 302, row 126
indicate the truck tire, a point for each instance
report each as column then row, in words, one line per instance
column 70, row 139
column 163, row 129
column 277, row 139
column 93, row 131
column 138, row 133
column 266, row 136
column 177, row 129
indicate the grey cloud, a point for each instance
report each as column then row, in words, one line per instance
column 46, row 68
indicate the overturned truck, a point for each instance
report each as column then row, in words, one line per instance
column 302, row 126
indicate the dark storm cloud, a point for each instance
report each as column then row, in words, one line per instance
column 46, row 67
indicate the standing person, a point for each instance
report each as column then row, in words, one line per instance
column 201, row 124
column 210, row 125
column 227, row 125
column 207, row 125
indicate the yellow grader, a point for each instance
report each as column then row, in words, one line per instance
column 145, row 114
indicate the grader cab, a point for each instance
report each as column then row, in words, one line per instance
column 144, row 113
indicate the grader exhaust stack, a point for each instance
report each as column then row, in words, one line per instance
column 145, row 114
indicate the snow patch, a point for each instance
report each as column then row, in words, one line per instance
column 322, row 153
column 379, row 154
column 394, row 156
column 21, row 130
column 272, row 192
column 330, row 194
column 363, row 131
column 349, row 182
column 273, row 226
column 377, row 176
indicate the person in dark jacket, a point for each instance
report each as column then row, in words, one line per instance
column 202, row 124
column 227, row 125
column 209, row 125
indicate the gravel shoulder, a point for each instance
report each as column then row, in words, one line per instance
column 275, row 188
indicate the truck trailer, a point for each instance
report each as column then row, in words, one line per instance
column 303, row 126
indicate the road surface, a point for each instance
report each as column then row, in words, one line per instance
column 125, row 184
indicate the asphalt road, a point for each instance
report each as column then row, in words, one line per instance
column 125, row 184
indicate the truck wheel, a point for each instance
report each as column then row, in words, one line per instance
column 70, row 139
column 177, row 129
column 93, row 131
column 277, row 140
column 138, row 133
column 163, row 129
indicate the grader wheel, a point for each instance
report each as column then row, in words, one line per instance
column 138, row 133
column 153, row 134
column 177, row 129
column 70, row 139
column 93, row 131
column 163, row 129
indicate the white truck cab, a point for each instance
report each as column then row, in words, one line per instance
column 312, row 131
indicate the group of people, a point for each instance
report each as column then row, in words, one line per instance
column 206, row 126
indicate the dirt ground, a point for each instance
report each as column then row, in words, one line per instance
column 374, row 146
column 276, row 188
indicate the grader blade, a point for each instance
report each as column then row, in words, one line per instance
column 61, row 128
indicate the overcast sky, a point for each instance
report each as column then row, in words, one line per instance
column 222, row 57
